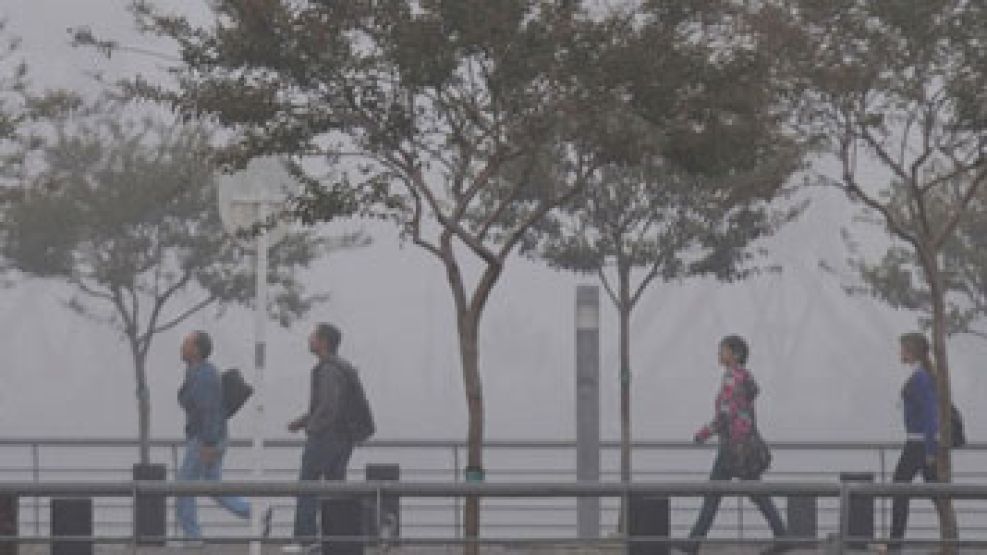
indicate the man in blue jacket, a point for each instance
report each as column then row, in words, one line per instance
column 201, row 397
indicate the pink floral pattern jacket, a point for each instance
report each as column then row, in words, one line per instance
column 733, row 416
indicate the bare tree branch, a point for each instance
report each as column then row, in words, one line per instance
column 950, row 176
column 899, row 170
column 954, row 219
column 184, row 315
column 81, row 285
column 601, row 272
column 850, row 184
column 416, row 225
column 159, row 302
column 544, row 208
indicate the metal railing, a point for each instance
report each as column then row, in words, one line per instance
column 377, row 491
column 43, row 460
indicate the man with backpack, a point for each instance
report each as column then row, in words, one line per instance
column 338, row 418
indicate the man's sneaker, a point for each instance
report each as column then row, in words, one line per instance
column 265, row 522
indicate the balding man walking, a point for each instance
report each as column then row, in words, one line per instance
column 201, row 397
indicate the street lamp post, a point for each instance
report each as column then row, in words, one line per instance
column 246, row 199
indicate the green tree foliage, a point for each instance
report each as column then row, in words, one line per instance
column 897, row 278
column 21, row 109
column 715, row 153
column 901, row 85
column 138, row 236
column 464, row 121
column 637, row 225
column 13, row 74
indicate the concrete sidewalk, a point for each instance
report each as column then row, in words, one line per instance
column 237, row 549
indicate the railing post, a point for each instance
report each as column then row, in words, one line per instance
column 457, row 501
column 135, row 520
column 72, row 527
column 844, row 517
column 8, row 524
column 647, row 517
column 803, row 520
column 36, row 471
column 379, row 514
column 174, row 475
column 881, row 455
column 860, row 511
column 385, row 520
column 150, row 510
column 740, row 518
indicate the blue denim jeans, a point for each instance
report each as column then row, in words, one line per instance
column 324, row 458
column 194, row 469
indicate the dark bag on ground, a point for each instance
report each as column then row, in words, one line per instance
column 748, row 458
column 959, row 434
column 236, row 391
column 359, row 417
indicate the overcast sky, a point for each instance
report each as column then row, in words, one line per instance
column 827, row 363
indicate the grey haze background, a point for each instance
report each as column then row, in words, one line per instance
column 827, row 362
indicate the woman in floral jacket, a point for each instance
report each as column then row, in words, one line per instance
column 733, row 421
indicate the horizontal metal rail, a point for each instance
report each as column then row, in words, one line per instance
column 378, row 489
column 952, row 491
column 450, row 443
column 465, row 489
column 86, row 458
column 420, row 489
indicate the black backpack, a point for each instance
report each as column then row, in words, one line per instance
column 959, row 434
column 359, row 419
column 236, row 391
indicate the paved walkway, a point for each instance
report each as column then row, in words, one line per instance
column 439, row 550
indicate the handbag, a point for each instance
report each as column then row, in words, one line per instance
column 748, row 457
column 235, row 390
column 959, row 434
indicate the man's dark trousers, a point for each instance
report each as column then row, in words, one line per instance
column 324, row 458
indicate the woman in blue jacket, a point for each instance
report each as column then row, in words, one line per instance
column 921, row 414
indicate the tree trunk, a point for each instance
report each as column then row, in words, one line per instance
column 948, row 530
column 624, row 309
column 468, row 313
column 470, row 359
column 143, row 405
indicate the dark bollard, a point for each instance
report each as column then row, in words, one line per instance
column 802, row 517
column 861, row 517
column 342, row 524
column 8, row 524
column 648, row 517
column 71, row 517
column 149, row 513
column 390, row 505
